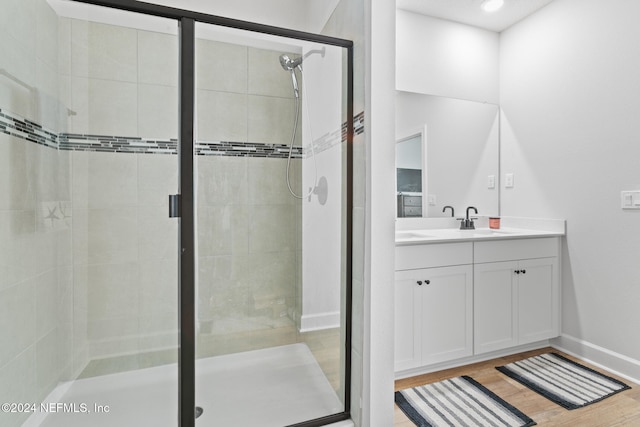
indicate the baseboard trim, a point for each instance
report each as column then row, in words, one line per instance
column 316, row 322
column 616, row 363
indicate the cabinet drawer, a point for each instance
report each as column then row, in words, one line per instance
column 508, row 250
column 412, row 201
column 433, row 255
column 410, row 211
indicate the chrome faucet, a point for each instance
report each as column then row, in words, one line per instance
column 452, row 211
column 467, row 223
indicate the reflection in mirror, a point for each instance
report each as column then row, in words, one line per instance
column 409, row 176
column 459, row 152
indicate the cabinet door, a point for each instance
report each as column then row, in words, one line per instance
column 407, row 325
column 538, row 288
column 494, row 302
column 446, row 318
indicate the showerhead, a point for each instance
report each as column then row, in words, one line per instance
column 288, row 63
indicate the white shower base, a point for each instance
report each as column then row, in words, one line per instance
column 270, row 387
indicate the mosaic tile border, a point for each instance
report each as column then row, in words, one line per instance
column 358, row 123
column 116, row 144
column 14, row 125
column 246, row 149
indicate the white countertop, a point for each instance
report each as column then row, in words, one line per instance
column 443, row 235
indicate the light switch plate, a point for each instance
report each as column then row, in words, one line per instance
column 630, row 199
column 431, row 199
column 491, row 182
column 508, row 180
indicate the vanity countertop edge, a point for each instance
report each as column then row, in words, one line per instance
column 516, row 228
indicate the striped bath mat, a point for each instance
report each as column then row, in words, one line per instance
column 460, row 402
column 563, row 381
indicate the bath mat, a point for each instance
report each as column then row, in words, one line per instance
column 563, row 381
column 459, row 401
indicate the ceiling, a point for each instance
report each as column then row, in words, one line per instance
column 469, row 11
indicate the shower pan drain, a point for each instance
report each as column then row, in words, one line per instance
column 199, row 411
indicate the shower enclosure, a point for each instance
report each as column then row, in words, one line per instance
column 176, row 240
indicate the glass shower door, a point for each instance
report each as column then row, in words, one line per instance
column 270, row 163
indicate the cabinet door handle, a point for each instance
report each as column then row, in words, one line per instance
column 419, row 282
column 427, row 282
column 517, row 271
column 524, row 271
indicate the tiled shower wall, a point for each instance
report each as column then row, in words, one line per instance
column 122, row 82
column 248, row 224
column 38, row 329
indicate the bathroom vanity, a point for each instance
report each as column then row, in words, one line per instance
column 467, row 295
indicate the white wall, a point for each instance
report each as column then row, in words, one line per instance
column 377, row 399
column 322, row 235
column 444, row 58
column 570, row 99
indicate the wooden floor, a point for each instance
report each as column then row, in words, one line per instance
column 622, row 409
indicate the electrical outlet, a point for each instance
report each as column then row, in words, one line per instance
column 491, row 181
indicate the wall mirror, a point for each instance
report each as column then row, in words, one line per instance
column 451, row 147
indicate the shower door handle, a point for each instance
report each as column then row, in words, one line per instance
column 174, row 206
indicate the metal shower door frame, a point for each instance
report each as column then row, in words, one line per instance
column 187, row 275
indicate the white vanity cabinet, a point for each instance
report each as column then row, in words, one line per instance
column 516, row 292
column 455, row 301
column 433, row 305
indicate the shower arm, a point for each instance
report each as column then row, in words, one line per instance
column 312, row 51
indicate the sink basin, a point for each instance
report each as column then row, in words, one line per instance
column 445, row 234
column 403, row 235
column 489, row 232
